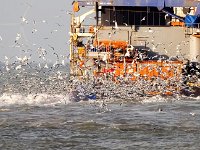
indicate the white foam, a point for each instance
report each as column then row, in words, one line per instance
column 33, row 99
column 157, row 99
column 196, row 98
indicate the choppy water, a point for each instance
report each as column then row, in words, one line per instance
column 54, row 123
column 37, row 114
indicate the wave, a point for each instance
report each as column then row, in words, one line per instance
column 43, row 99
column 158, row 99
column 7, row 99
column 164, row 99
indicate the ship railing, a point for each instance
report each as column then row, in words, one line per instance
column 192, row 25
column 138, row 18
column 96, row 49
column 192, row 28
column 141, row 18
column 86, row 29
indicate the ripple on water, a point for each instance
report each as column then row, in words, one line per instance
column 128, row 126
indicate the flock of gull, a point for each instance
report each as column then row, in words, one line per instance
column 29, row 78
column 25, row 76
column 32, row 71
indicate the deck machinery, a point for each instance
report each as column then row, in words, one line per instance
column 152, row 40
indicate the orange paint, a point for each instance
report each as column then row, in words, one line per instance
column 149, row 69
column 114, row 44
column 177, row 23
column 81, row 52
column 76, row 7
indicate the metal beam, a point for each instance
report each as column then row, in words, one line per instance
column 150, row 3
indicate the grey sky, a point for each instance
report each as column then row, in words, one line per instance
column 48, row 17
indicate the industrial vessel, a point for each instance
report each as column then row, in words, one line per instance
column 154, row 42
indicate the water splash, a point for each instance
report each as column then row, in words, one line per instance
column 33, row 100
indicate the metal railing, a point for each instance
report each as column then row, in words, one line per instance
column 85, row 29
column 192, row 25
column 192, row 28
column 140, row 18
column 130, row 17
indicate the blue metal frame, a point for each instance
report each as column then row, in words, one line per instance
column 150, row 3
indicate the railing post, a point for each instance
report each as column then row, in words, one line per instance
column 153, row 19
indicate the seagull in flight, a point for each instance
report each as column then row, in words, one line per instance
column 116, row 26
column 51, row 47
column 125, row 24
column 24, row 20
column 144, row 18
